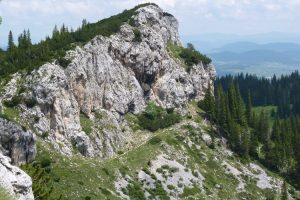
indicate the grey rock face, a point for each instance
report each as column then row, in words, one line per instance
column 16, row 143
column 14, row 180
column 112, row 75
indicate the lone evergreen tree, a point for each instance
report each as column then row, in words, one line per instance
column 11, row 43
column 208, row 104
column 284, row 192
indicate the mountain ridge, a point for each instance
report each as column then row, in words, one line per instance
column 117, row 117
column 77, row 102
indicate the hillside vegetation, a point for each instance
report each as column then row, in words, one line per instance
column 184, row 161
column 27, row 56
column 270, row 133
column 5, row 195
column 189, row 56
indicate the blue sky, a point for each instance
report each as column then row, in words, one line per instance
column 195, row 16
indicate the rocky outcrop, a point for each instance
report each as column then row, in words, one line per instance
column 14, row 180
column 17, row 147
column 113, row 76
column 16, row 143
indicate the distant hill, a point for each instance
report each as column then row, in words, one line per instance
column 263, row 54
column 258, row 56
column 245, row 46
column 261, row 59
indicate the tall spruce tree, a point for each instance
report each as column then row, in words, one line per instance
column 240, row 108
column 284, row 192
column 220, row 106
column 11, row 44
column 232, row 100
column 208, row 104
column 249, row 108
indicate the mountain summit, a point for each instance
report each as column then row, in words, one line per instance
column 111, row 114
column 106, row 78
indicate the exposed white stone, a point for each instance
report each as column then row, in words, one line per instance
column 121, row 183
column 16, row 143
column 263, row 180
column 14, row 180
column 255, row 172
column 206, row 138
column 182, row 175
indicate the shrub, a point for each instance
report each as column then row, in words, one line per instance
column 43, row 179
column 86, row 124
column 22, row 90
column 146, row 171
column 63, row 62
column 30, row 103
column 171, row 187
column 190, row 56
column 123, row 170
column 155, row 140
column 174, row 169
column 135, row 191
column 105, row 170
column 137, row 35
column 15, row 101
column 155, row 117
column 105, row 191
column 165, row 14
column 120, row 152
column 45, row 162
column 45, row 134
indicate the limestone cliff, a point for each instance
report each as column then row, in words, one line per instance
column 107, row 78
column 16, row 147
column 16, row 143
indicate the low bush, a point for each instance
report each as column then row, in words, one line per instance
column 156, row 117
column 15, row 101
column 190, row 56
column 63, row 62
column 86, row 124
column 30, row 103
column 137, row 35
column 155, row 140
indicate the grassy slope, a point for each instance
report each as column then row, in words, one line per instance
column 81, row 178
column 5, row 195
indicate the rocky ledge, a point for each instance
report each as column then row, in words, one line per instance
column 17, row 147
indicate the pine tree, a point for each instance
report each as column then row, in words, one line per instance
column 263, row 128
column 55, row 32
column 28, row 38
column 84, row 23
column 220, row 106
column 232, row 101
column 208, row 103
column 11, row 44
column 245, row 146
column 240, row 109
column 249, row 108
column 284, row 192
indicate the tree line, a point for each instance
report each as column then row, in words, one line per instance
column 282, row 91
column 254, row 135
